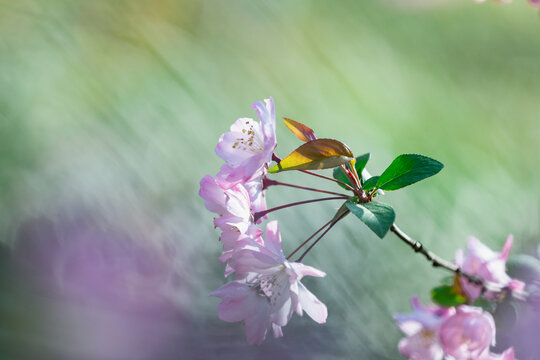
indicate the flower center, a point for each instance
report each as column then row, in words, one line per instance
column 427, row 337
column 251, row 139
column 272, row 286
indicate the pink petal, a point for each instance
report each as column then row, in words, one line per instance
column 228, row 176
column 267, row 116
column 283, row 302
column 311, row 305
column 408, row 327
column 258, row 322
column 272, row 239
column 213, row 195
column 256, row 196
column 516, row 286
column 478, row 250
column 247, row 260
column 238, row 202
column 507, row 246
column 230, row 150
column 236, row 301
column 302, row 270
column 277, row 331
column 233, row 146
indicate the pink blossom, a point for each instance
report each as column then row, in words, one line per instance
column 248, row 147
column 490, row 266
column 268, row 289
column 257, row 196
column 421, row 328
column 468, row 334
column 254, row 187
column 232, row 205
column 235, row 215
column 242, row 302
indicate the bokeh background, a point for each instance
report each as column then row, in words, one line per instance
column 109, row 114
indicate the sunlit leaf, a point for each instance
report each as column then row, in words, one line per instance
column 407, row 169
column 377, row 216
column 315, row 155
column 301, row 131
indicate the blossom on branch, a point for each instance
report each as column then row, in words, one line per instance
column 489, row 266
column 421, row 329
column 457, row 333
column 233, row 207
column 468, row 334
column 247, row 149
column 268, row 289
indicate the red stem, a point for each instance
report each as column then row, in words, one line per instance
column 334, row 222
column 260, row 214
column 275, row 182
column 328, row 178
column 309, row 238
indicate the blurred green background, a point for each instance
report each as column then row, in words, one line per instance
column 109, row 114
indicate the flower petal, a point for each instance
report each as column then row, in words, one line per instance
column 213, row 195
column 311, row 305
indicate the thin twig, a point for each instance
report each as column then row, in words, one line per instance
column 435, row 260
column 269, row 182
column 308, row 239
column 260, row 214
column 334, row 222
column 329, row 178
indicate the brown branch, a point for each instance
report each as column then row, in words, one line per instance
column 436, row 260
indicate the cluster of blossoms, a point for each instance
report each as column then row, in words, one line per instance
column 267, row 288
column 461, row 332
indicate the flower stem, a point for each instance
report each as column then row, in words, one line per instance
column 260, row 214
column 435, row 260
column 268, row 182
column 309, row 238
column 329, row 178
column 355, row 182
column 332, row 223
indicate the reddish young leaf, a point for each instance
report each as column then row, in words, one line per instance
column 315, row 155
column 301, row 131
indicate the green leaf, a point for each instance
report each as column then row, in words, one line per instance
column 301, row 131
column 361, row 162
column 407, row 169
column 377, row 216
column 342, row 211
column 315, row 155
column 339, row 175
column 370, row 183
column 445, row 296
